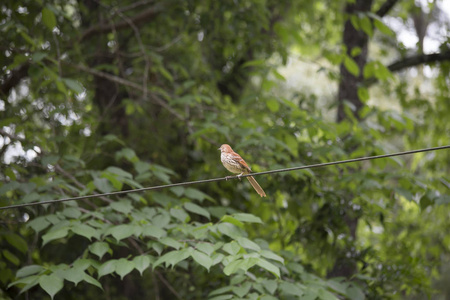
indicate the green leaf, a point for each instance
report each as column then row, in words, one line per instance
column 382, row 27
column 141, row 263
column 230, row 219
column 173, row 257
column 270, row 285
column 249, row 218
column 99, row 249
column 229, row 230
column 189, row 206
column 107, row 268
column 232, row 248
column 123, row 267
column 366, row 25
column 179, row 214
column 54, row 235
column 171, row 243
column 192, row 193
column 269, row 267
column 153, row 231
column 363, row 94
column 29, row 270
column 355, row 293
column 233, row 267
column 123, row 206
column 121, row 232
column 271, row 255
column 73, row 85
column 273, row 105
column 202, row 259
column 49, row 19
column 242, row 290
column 72, row 212
column 74, row 275
column 351, row 66
column 248, row 244
column 17, row 242
column 205, row 248
column 290, row 288
column 52, row 284
column 92, row 280
column 11, row 257
column 85, row 230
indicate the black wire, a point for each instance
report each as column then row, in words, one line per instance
column 228, row 177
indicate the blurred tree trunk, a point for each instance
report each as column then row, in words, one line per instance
column 345, row 264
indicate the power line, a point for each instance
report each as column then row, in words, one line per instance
column 159, row 187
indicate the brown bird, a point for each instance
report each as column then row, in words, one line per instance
column 235, row 164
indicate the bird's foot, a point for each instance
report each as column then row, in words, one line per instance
column 239, row 176
column 227, row 177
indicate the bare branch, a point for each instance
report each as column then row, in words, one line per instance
column 418, row 60
column 139, row 19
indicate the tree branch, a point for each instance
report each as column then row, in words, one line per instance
column 139, row 19
column 385, row 8
column 418, row 60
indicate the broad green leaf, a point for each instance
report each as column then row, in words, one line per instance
column 205, row 248
column 85, row 230
column 248, row 244
column 351, row 66
column 48, row 17
column 189, row 206
column 326, row 295
column 273, row 105
column 153, row 231
column 269, row 267
column 243, row 289
column 202, row 259
column 179, row 214
column 249, row 218
column 230, row 219
column 54, row 235
column 171, row 243
column 72, row 212
column 355, row 293
column 233, row 267
column 123, row 267
column 141, row 263
column 73, row 85
column 382, row 27
column 11, row 257
column 366, row 25
column 270, row 285
column 52, row 284
column 121, row 232
column 173, row 257
column 271, row 255
column 290, row 288
column 123, row 206
column 99, row 249
column 363, row 94
column 232, row 248
column 229, row 230
column 107, row 268
column 92, row 280
column 17, row 242
column 74, row 275
column 29, row 270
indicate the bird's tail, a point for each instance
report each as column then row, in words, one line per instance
column 256, row 186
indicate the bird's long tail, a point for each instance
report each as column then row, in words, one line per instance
column 256, row 186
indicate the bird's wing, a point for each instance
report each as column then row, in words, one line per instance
column 241, row 161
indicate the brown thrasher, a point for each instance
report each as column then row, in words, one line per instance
column 235, row 164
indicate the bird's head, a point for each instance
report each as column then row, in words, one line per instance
column 225, row 148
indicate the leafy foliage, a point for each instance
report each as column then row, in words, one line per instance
column 97, row 98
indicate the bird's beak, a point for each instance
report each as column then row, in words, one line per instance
column 218, row 148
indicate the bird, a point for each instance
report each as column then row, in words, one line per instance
column 234, row 163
